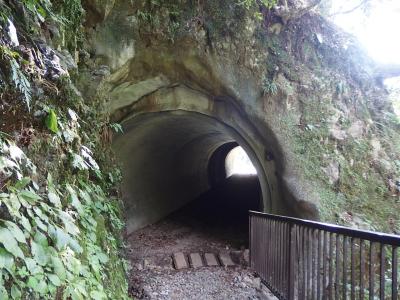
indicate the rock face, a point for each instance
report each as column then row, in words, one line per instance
column 188, row 77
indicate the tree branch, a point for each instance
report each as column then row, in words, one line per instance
column 362, row 3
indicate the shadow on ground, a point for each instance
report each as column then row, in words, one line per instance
column 215, row 222
column 223, row 210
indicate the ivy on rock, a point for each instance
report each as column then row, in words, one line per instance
column 49, row 240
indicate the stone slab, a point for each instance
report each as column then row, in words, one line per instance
column 179, row 261
column 211, row 260
column 195, row 260
column 226, row 260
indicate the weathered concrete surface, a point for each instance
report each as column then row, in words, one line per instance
column 260, row 87
column 180, row 80
column 211, row 260
column 165, row 162
column 179, row 261
column 195, row 260
column 226, row 259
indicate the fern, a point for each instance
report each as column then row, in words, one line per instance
column 18, row 78
column 21, row 82
column 41, row 9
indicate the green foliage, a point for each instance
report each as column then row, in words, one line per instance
column 18, row 79
column 255, row 4
column 267, row 3
column 269, row 87
column 217, row 18
column 59, row 227
column 51, row 121
column 169, row 24
column 35, row 12
column 49, row 238
column 362, row 186
column 21, row 82
column 224, row 18
column 116, row 127
column 145, row 16
column 71, row 13
column 67, row 15
column 39, row 8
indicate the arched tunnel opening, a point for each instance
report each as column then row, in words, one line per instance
column 178, row 175
column 222, row 211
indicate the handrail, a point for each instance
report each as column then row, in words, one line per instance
column 301, row 259
column 390, row 239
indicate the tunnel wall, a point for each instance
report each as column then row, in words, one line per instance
column 216, row 166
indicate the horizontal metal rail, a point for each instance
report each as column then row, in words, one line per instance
column 300, row 259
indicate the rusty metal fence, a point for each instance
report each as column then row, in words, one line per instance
column 299, row 259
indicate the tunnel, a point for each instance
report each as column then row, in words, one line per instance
column 173, row 149
column 173, row 158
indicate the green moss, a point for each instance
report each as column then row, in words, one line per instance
column 361, row 189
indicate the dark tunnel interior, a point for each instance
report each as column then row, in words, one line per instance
column 180, row 162
column 222, row 211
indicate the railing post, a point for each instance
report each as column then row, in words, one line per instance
column 250, row 238
column 292, row 269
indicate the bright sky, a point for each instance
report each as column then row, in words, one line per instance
column 378, row 31
column 237, row 162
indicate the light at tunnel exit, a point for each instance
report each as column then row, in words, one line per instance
column 237, row 162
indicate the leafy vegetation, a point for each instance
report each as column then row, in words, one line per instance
column 269, row 87
column 267, row 3
column 72, row 13
column 217, row 18
column 60, row 220
column 53, row 236
column 18, row 79
column 51, row 121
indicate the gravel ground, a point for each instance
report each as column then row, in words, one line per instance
column 153, row 277
column 203, row 283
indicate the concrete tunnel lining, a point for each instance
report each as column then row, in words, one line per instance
column 165, row 160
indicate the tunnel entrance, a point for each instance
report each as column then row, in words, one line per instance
column 187, row 192
column 181, row 192
column 171, row 158
column 178, row 193
column 179, row 189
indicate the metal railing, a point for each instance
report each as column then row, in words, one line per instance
column 299, row 259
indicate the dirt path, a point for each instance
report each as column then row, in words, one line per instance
column 194, row 229
column 217, row 222
column 153, row 276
